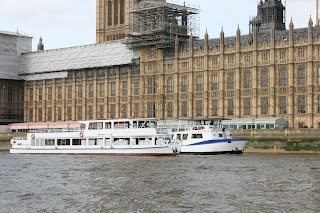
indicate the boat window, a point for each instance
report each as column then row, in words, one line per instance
column 141, row 124
column 33, row 142
column 135, row 124
column 96, row 125
column 121, row 125
column 196, row 135
column 108, row 141
column 108, row 125
column 76, row 142
column 95, row 141
column 63, row 142
column 122, row 141
column 220, row 135
column 49, row 142
column 185, row 136
column 39, row 142
column 178, row 136
column 142, row 141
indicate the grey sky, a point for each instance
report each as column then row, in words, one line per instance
column 65, row 23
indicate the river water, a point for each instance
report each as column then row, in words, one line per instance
column 222, row 183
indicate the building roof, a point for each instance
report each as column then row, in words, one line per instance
column 50, row 62
column 14, row 34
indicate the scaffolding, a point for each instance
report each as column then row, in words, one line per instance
column 157, row 22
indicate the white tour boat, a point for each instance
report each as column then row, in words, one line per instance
column 121, row 137
column 206, row 137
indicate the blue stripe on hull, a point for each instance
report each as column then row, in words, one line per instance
column 217, row 141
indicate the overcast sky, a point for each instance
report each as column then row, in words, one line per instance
column 65, row 23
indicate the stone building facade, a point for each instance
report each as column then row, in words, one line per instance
column 268, row 73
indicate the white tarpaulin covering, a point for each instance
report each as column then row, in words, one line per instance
column 74, row 58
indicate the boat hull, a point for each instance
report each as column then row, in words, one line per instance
column 213, row 147
column 155, row 151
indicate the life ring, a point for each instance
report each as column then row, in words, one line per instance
column 81, row 134
column 188, row 129
column 33, row 136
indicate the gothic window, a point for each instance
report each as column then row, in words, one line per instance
column 69, row 113
column 185, row 65
column 30, row 115
column 184, row 83
column 169, row 109
column 59, row 118
column 199, row 63
column 136, row 110
column 184, row 109
column 283, row 54
column 116, row 12
column 69, row 88
column 136, row 88
column 90, row 90
column 39, row 94
column 264, row 105
column 264, row 78
column 31, row 94
column 151, row 110
column 199, row 84
column 152, row 53
column 151, row 85
column 247, row 106
column 230, row 59
column 230, row 107
column 301, row 76
column 230, row 80
column 199, row 108
column 79, row 113
column 39, row 115
column 124, row 110
column 265, row 56
column 169, row 85
column 112, row 111
column 283, row 104
column 215, row 82
column 101, row 111
column 124, row 88
column 247, row 58
column 301, row 104
column 49, row 90
column 109, row 13
column 283, row 77
column 90, row 112
column 113, row 89
column 301, row 53
column 59, row 92
column 122, row 10
column 49, row 114
column 80, row 91
column 247, row 79
column 101, row 90
column 214, row 107
column 215, row 62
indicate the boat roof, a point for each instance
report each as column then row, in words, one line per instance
column 120, row 120
column 204, row 119
column 47, row 125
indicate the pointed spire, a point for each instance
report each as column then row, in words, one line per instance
column 291, row 25
column 310, row 21
column 40, row 45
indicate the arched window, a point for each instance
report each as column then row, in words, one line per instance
column 301, row 76
column 116, row 12
column 109, row 13
column 121, row 11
